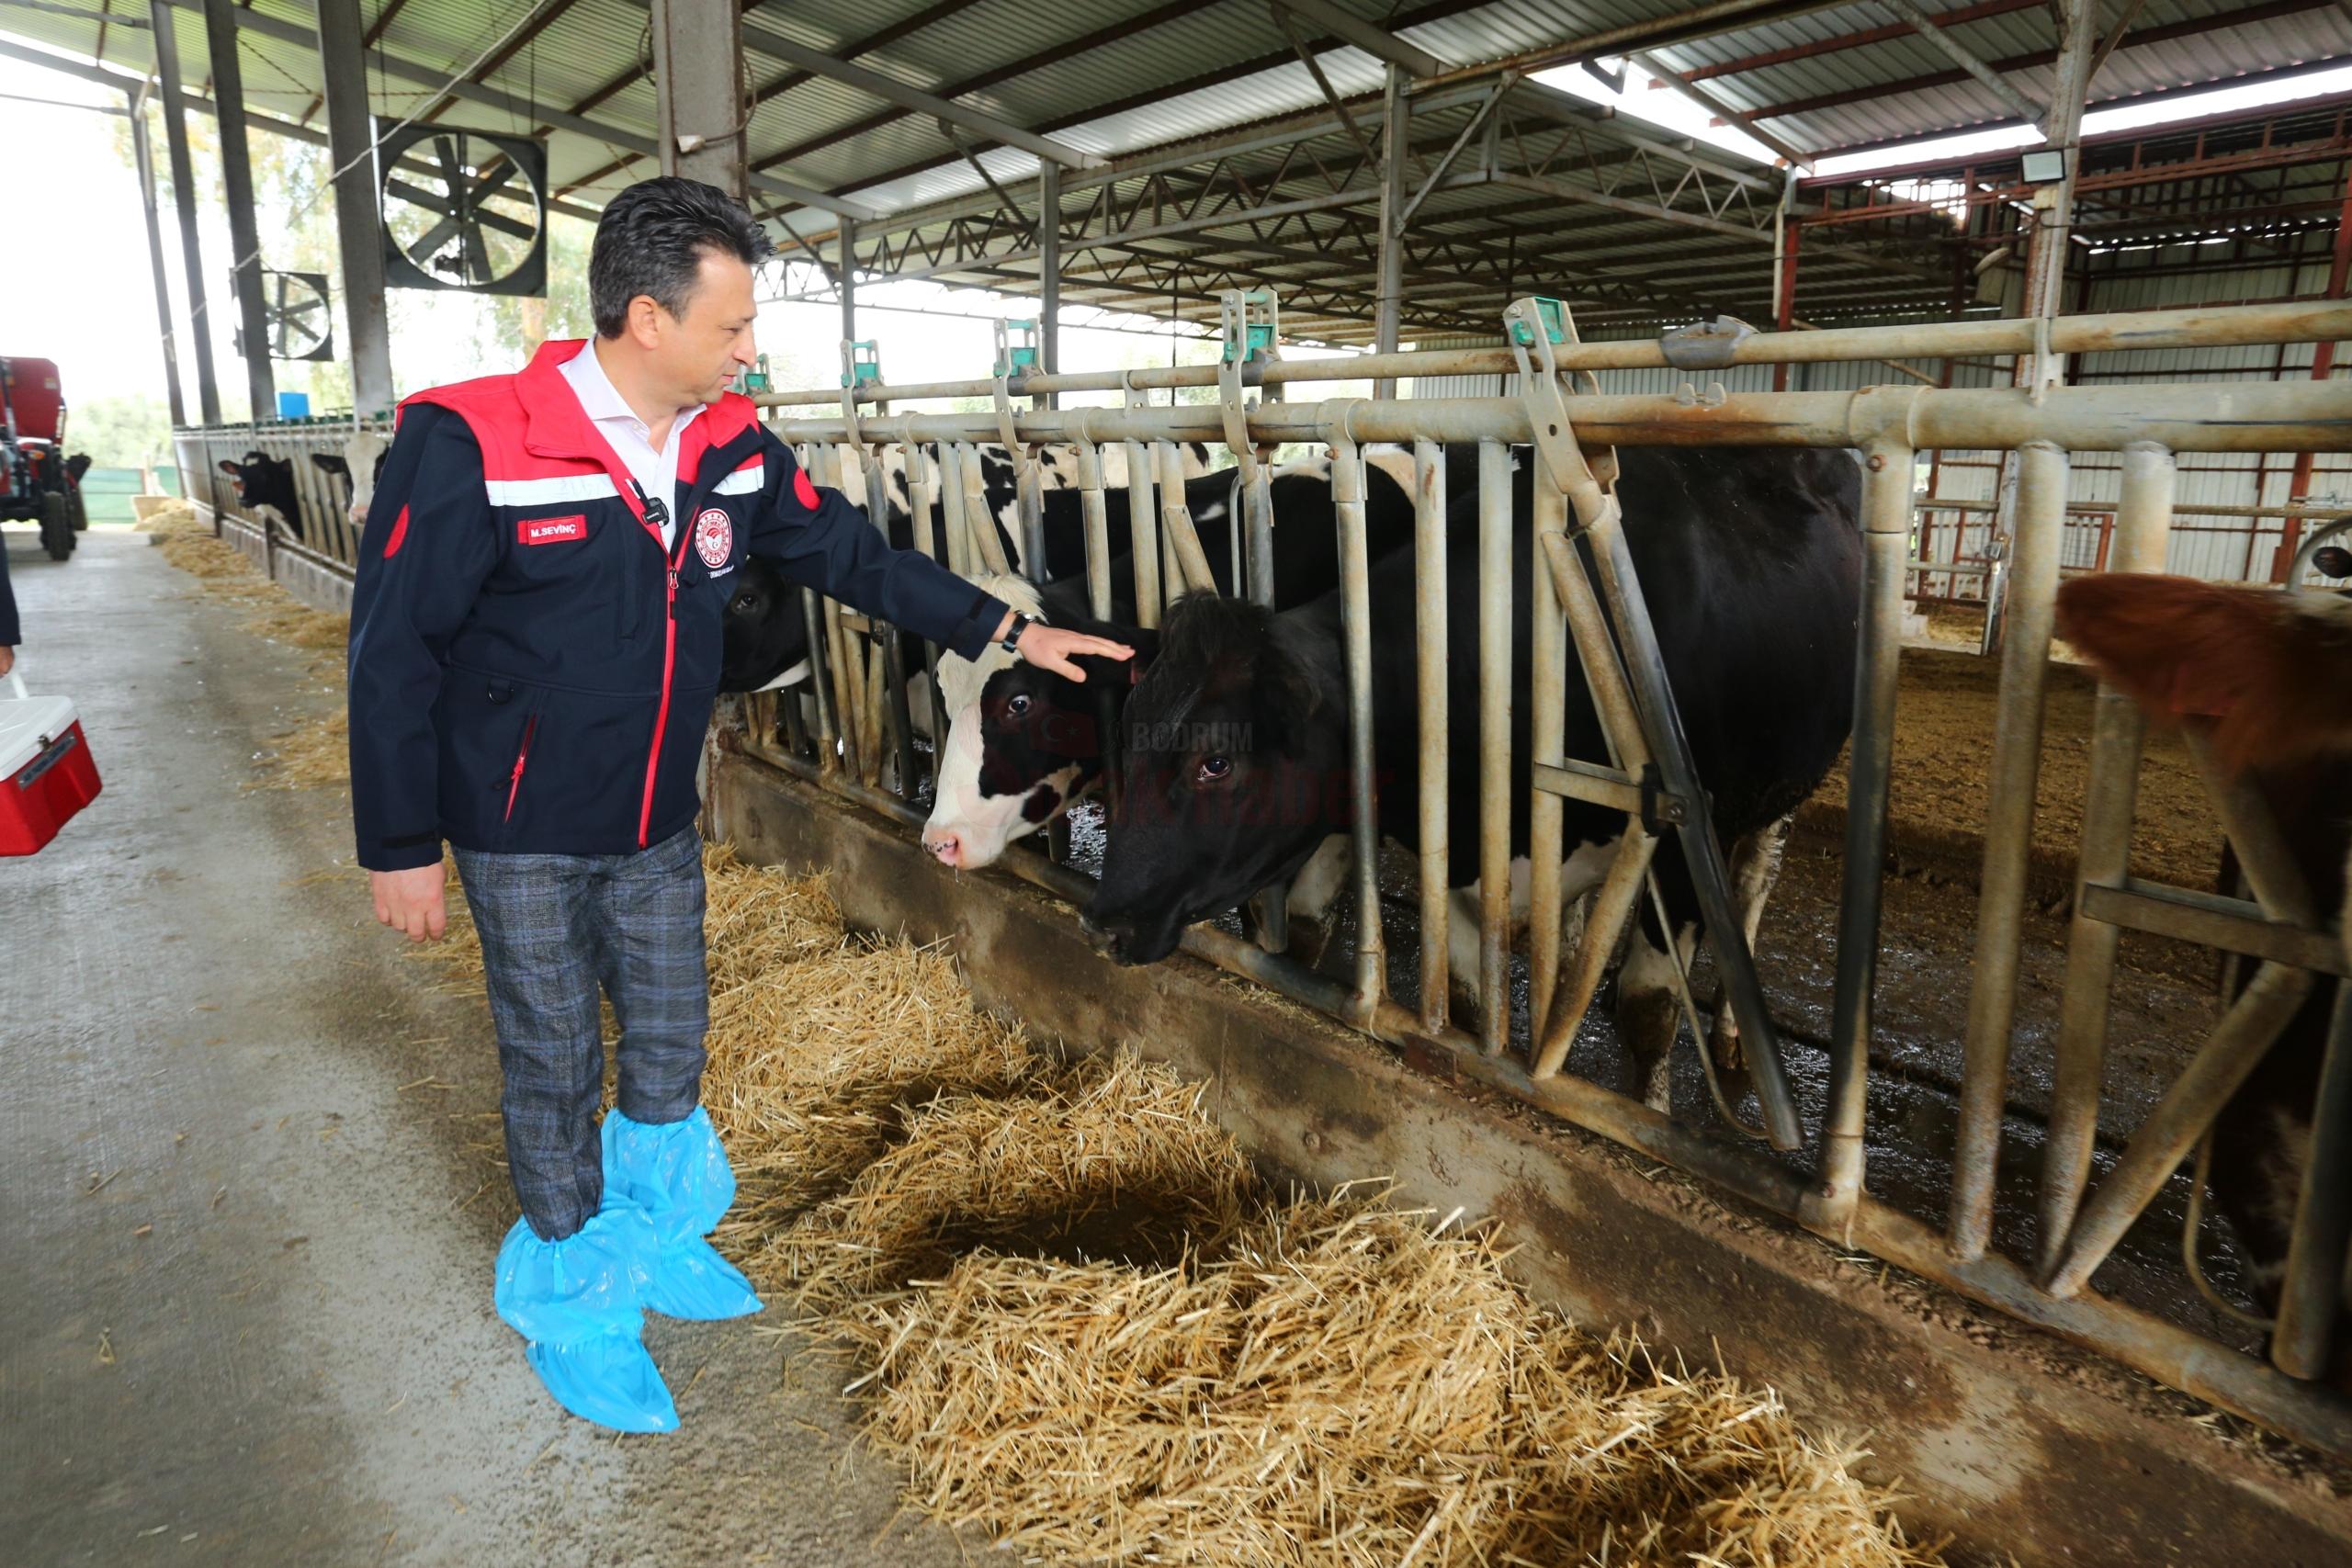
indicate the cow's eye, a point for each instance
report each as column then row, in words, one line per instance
column 1017, row 705
column 1213, row 769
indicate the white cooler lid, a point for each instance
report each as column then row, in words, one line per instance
column 27, row 724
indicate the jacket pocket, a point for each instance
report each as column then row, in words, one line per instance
column 522, row 760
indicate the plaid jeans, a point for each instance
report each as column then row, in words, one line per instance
column 553, row 929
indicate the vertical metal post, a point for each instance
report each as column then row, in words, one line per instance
column 359, row 247
column 1395, row 141
column 237, row 184
column 1049, row 269
column 1784, row 291
column 1176, row 517
column 1494, row 746
column 1430, row 632
column 1355, row 602
column 699, row 93
column 846, row 273
column 2310, row 1298
column 2046, row 247
column 2143, row 522
column 1547, row 723
column 142, row 154
column 1886, row 543
column 1143, row 528
column 2299, row 486
column 164, row 17
column 2009, row 841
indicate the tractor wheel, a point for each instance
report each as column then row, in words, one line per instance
column 81, row 512
column 57, row 526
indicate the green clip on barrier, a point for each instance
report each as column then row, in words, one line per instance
column 1013, row 358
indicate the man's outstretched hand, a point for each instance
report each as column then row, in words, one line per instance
column 411, row 901
column 1057, row 648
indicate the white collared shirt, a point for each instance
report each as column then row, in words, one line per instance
column 631, row 441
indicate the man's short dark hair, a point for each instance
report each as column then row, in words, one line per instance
column 651, row 239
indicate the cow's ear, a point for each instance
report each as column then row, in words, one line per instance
column 229, row 468
column 329, row 463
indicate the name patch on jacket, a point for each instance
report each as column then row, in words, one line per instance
column 551, row 530
column 714, row 537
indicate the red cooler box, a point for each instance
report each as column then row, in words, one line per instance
column 46, row 773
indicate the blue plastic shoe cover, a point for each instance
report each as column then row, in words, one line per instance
column 576, row 1302
column 677, row 1173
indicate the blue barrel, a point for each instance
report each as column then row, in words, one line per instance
column 293, row 405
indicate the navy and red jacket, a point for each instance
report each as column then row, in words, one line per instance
column 531, row 672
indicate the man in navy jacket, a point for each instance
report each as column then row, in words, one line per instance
column 535, row 647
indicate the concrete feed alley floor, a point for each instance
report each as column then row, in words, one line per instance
column 247, row 1212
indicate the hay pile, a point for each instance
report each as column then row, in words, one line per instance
column 1346, row 1384
column 1086, row 1329
column 170, row 517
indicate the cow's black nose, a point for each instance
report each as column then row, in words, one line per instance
column 1106, row 937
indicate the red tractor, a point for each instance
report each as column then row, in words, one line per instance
column 38, row 483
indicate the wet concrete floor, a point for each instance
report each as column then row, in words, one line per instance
column 249, row 1209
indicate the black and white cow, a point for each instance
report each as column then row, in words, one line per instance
column 265, row 488
column 1235, row 741
column 1021, row 742
column 2275, row 671
column 362, row 455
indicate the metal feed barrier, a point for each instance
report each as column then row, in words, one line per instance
column 328, row 538
column 861, row 725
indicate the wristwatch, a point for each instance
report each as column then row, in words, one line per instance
column 1010, row 640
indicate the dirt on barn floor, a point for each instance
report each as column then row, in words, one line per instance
column 1943, row 753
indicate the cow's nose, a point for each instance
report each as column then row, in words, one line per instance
column 945, row 843
column 1105, row 936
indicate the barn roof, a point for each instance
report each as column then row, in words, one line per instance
column 1210, row 143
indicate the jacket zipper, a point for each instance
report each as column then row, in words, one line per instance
column 669, row 662
column 514, row 786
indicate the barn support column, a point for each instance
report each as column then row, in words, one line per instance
column 1784, row 288
column 2046, row 242
column 343, row 70
column 1395, row 141
column 142, row 157
column 699, row 92
column 1049, row 269
column 167, row 77
column 846, row 273
column 2322, row 366
column 237, row 181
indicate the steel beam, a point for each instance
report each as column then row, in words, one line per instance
column 1049, row 264
column 699, row 91
column 142, row 155
column 237, row 185
column 350, row 149
column 1965, row 58
column 1376, row 41
column 1725, row 112
column 1395, row 145
column 167, row 72
column 891, row 90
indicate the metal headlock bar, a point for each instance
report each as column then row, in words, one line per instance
column 1585, row 596
column 1639, row 716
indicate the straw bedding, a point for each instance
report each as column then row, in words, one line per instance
column 1084, row 1326
column 314, row 753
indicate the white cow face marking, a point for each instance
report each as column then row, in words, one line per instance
column 980, row 809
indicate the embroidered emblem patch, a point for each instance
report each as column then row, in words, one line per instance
column 714, row 537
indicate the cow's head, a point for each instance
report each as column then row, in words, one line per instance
column 265, row 488
column 1021, row 742
column 1234, row 771
column 764, row 633
column 361, row 462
